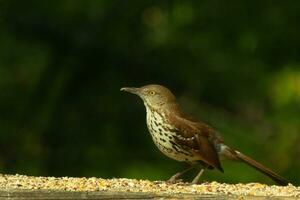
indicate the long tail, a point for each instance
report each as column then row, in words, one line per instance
column 249, row 161
column 236, row 155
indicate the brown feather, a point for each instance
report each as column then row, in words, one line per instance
column 275, row 177
column 198, row 138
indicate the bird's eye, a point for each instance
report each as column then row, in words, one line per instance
column 151, row 92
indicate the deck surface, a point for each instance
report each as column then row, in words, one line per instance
column 29, row 187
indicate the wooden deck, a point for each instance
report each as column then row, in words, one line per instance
column 29, row 187
column 61, row 195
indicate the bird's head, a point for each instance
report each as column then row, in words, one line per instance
column 155, row 96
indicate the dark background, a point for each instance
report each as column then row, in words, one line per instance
column 232, row 64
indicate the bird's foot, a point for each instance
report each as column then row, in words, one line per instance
column 175, row 178
column 173, row 181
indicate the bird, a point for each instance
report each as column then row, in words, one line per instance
column 180, row 137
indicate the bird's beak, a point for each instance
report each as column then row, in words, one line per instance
column 131, row 90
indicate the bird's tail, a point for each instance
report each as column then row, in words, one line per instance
column 249, row 161
column 236, row 155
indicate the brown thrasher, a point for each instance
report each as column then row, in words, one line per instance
column 183, row 139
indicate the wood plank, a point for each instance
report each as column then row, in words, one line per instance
column 62, row 195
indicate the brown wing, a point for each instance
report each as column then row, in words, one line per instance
column 198, row 138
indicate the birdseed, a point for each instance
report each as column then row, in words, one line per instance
column 21, row 182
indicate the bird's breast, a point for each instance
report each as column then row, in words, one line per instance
column 164, row 138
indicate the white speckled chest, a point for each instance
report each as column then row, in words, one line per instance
column 163, row 138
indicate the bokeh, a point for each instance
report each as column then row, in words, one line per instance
column 232, row 64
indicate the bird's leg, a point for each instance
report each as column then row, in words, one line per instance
column 197, row 178
column 175, row 176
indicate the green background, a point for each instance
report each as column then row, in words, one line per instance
column 232, row 64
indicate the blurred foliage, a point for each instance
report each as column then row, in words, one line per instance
column 233, row 64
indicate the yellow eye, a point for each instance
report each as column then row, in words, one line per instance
column 151, row 92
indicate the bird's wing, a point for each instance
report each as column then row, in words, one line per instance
column 198, row 138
